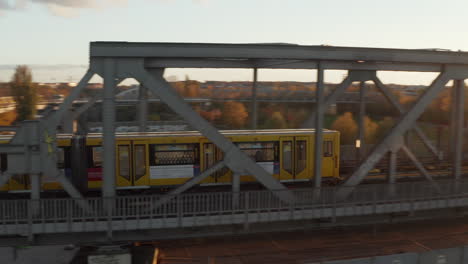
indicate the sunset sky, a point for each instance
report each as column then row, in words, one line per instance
column 49, row 33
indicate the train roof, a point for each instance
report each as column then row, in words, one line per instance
column 223, row 132
column 194, row 133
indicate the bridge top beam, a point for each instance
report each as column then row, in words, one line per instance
column 203, row 55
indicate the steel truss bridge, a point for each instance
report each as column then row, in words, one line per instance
column 29, row 150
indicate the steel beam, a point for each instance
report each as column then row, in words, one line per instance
column 108, row 128
column 452, row 121
column 319, row 116
column 458, row 105
column 142, row 108
column 361, row 120
column 420, row 167
column 235, row 159
column 35, row 192
column 272, row 51
column 235, row 189
column 67, row 103
column 83, row 108
column 395, row 133
column 35, row 186
column 392, row 169
column 289, row 64
column 331, row 98
column 187, row 185
column 254, row 100
column 393, row 100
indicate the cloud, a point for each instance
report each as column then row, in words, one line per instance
column 68, row 8
column 65, row 8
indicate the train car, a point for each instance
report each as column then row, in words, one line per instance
column 145, row 160
column 168, row 159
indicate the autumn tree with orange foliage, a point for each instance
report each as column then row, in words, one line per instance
column 276, row 121
column 234, row 114
column 347, row 127
column 212, row 115
column 370, row 131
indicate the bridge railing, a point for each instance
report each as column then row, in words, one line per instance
column 20, row 215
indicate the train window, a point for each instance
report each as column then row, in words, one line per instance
column 94, row 156
column 175, row 154
column 301, row 155
column 260, row 151
column 287, row 156
column 22, row 179
column 124, row 162
column 328, row 148
column 97, row 156
column 140, row 161
column 212, row 155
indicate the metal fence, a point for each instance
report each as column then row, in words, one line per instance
column 217, row 208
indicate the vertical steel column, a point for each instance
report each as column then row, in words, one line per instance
column 35, row 192
column 142, row 108
column 235, row 189
column 459, row 106
column 254, row 100
column 361, row 121
column 320, row 110
column 453, row 120
column 392, row 168
column 108, row 128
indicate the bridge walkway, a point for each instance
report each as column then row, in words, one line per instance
column 141, row 212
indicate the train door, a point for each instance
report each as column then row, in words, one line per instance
column 329, row 156
column 294, row 154
column 211, row 155
column 132, row 163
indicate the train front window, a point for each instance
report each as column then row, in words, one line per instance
column 124, row 162
column 175, row 154
column 140, row 161
column 301, row 153
column 287, row 156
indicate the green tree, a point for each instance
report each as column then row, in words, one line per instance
column 24, row 93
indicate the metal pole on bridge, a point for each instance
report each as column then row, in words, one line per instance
column 108, row 125
column 142, row 108
column 254, row 100
column 320, row 110
column 361, row 120
column 458, row 126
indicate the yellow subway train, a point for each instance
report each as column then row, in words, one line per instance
column 168, row 159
